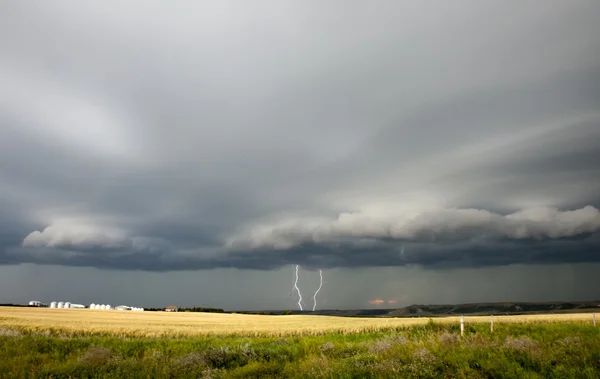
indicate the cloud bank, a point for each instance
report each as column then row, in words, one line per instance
column 441, row 225
column 77, row 237
column 338, row 135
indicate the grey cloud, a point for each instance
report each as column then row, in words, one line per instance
column 451, row 238
column 429, row 226
column 430, row 255
column 330, row 135
column 450, row 223
column 342, row 254
column 68, row 237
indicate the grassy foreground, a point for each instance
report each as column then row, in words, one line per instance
column 432, row 350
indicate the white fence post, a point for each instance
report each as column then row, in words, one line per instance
column 462, row 325
column 492, row 323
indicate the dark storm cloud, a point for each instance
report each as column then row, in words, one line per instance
column 336, row 135
column 342, row 255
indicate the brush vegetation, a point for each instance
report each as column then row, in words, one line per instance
column 529, row 348
column 432, row 350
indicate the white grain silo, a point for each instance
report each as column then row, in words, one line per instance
column 97, row 307
column 67, row 305
column 60, row 304
column 103, row 307
column 53, row 304
column 108, row 307
column 92, row 306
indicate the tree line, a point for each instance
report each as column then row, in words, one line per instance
column 191, row 309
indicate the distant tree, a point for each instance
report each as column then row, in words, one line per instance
column 202, row 309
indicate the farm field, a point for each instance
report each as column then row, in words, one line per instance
column 46, row 343
column 183, row 324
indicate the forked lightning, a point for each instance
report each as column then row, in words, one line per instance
column 298, row 289
column 318, row 289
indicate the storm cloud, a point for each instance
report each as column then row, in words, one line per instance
column 229, row 135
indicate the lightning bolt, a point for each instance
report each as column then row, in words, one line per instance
column 298, row 290
column 318, row 289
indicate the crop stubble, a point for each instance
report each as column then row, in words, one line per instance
column 182, row 324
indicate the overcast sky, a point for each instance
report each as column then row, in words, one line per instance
column 194, row 152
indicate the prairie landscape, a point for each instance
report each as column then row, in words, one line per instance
column 56, row 343
column 367, row 184
column 183, row 324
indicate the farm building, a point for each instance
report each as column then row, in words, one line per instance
column 128, row 308
column 35, row 303
column 171, row 308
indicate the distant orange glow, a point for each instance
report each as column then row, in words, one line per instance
column 399, row 299
column 376, row 302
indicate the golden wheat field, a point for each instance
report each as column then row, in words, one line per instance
column 163, row 324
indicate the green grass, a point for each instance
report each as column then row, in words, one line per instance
column 567, row 350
